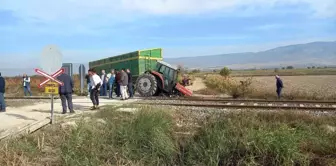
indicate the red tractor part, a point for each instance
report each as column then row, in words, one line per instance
column 183, row 90
column 158, row 75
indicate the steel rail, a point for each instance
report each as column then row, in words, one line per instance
column 209, row 105
column 29, row 97
column 242, row 100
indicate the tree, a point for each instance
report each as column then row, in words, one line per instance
column 308, row 67
column 196, row 71
column 276, row 70
column 290, row 67
column 225, row 72
column 215, row 71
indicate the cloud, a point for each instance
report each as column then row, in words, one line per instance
column 88, row 17
column 267, row 27
column 104, row 10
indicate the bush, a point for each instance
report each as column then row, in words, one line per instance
column 225, row 72
column 229, row 86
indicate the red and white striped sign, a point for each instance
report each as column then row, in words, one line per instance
column 50, row 77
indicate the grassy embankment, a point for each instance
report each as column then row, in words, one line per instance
column 160, row 137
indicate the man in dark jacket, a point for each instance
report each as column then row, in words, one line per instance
column 279, row 86
column 65, row 92
column 2, row 93
column 118, row 77
column 130, row 83
column 87, row 77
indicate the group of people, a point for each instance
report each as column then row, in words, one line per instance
column 97, row 85
column 105, row 84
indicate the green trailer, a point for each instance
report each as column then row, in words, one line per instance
column 138, row 62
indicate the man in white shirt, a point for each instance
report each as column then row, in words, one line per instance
column 96, row 83
column 26, row 85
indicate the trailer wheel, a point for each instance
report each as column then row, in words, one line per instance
column 146, row 85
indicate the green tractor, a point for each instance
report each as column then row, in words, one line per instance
column 162, row 80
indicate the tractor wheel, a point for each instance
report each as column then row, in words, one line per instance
column 146, row 85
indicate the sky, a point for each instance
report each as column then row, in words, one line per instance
column 86, row 30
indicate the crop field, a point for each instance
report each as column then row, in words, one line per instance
column 272, row 72
column 285, row 72
column 14, row 85
column 295, row 87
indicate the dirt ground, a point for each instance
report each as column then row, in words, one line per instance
column 198, row 84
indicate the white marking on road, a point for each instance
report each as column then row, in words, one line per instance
column 255, row 104
column 301, row 105
column 228, row 103
column 285, row 105
column 242, row 103
column 317, row 105
column 269, row 104
column 334, row 106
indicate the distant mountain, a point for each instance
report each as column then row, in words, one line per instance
column 299, row 55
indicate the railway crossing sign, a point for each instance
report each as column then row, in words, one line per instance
column 51, row 62
column 51, row 88
column 51, row 59
column 50, row 77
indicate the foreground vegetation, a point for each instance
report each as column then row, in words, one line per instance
column 179, row 137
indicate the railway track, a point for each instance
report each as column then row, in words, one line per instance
column 240, row 100
column 243, row 103
column 29, row 97
column 226, row 103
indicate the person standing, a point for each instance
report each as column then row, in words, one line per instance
column 96, row 83
column 279, row 86
column 123, row 84
column 26, row 85
column 87, row 77
column 111, row 83
column 103, row 90
column 2, row 94
column 118, row 77
column 65, row 92
column 130, row 83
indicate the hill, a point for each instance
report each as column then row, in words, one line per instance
column 299, row 55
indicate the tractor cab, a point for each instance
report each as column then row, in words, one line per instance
column 169, row 74
column 162, row 80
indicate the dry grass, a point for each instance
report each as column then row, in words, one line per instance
column 295, row 87
column 153, row 136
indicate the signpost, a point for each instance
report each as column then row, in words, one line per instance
column 68, row 68
column 51, row 62
column 81, row 77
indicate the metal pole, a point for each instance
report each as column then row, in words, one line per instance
column 52, row 109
